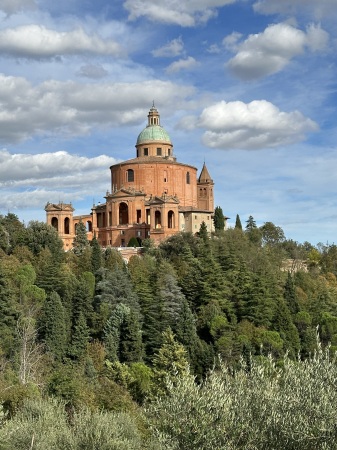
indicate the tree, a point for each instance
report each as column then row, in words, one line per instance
column 254, row 234
column 122, row 335
column 55, row 330
column 96, row 255
column 203, row 233
column 238, row 224
column 80, row 243
column 79, row 339
column 219, row 219
column 271, row 234
column 170, row 362
column 133, row 242
column 39, row 236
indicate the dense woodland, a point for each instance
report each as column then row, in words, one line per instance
column 204, row 342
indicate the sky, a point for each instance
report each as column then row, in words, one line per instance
column 248, row 86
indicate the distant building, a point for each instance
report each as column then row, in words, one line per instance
column 152, row 196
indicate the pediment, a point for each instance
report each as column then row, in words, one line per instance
column 59, row 207
column 155, row 200
column 122, row 193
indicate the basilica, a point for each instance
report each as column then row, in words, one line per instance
column 151, row 196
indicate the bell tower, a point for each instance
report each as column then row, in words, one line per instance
column 205, row 187
column 60, row 216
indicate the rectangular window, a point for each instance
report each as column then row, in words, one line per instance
column 169, row 152
column 158, row 151
column 146, row 152
column 139, row 215
column 139, row 233
column 195, row 217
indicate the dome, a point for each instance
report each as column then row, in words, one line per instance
column 153, row 133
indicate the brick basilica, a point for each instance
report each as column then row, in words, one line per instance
column 152, row 196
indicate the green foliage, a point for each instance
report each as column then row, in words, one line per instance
column 260, row 406
column 80, row 243
column 55, row 330
column 40, row 236
column 219, row 219
column 96, row 255
column 44, row 424
column 133, row 242
column 238, row 225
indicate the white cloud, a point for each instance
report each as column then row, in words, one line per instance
column 171, row 49
column 185, row 14
column 255, row 125
column 269, row 52
column 230, row 42
column 13, row 6
column 37, row 41
column 28, row 179
column 315, row 8
column 70, row 108
column 182, row 64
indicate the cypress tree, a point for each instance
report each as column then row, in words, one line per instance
column 219, row 219
column 55, row 332
column 79, row 339
column 238, row 224
column 96, row 255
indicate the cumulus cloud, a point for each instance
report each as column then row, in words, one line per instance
column 269, row 52
column 255, row 125
column 13, row 6
column 185, row 14
column 171, row 49
column 72, row 108
column 37, row 41
column 316, row 9
column 28, row 179
column 182, row 64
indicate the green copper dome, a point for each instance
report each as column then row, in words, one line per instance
column 153, row 133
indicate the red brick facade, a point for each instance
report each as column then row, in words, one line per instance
column 152, row 196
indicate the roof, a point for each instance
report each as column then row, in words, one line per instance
column 153, row 133
column 204, row 175
column 152, row 160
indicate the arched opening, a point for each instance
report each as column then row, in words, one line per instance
column 157, row 219
column 55, row 223
column 66, row 225
column 130, row 175
column 188, row 180
column 89, row 225
column 123, row 214
column 170, row 219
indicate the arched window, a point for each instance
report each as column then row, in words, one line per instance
column 55, row 223
column 130, row 175
column 66, row 225
column 157, row 219
column 188, row 178
column 89, row 225
column 170, row 219
column 123, row 214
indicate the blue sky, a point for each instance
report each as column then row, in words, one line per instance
column 249, row 86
